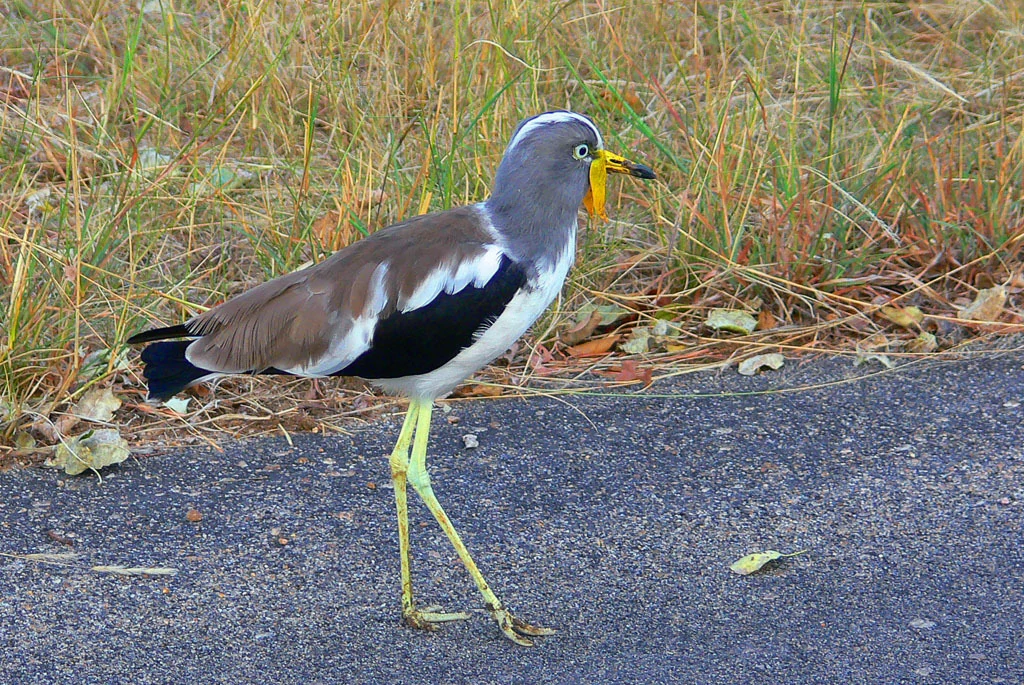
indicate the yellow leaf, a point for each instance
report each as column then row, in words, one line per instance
column 732, row 320
column 99, row 404
column 92, row 450
column 987, row 305
column 925, row 342
column 638, row 342
column 907, row 317
column 753, row 365
column 752, row 562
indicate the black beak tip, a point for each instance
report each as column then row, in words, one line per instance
column 642, row 171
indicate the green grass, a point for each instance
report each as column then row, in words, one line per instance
column 815, row 159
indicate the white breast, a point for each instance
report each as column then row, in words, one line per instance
column 522, row 311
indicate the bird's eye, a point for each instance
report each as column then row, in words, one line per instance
column 581, row 151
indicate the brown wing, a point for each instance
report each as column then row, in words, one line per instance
column 312, row 320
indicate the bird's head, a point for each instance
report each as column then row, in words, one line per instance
column 559, row 158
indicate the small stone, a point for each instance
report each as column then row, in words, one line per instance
column 194, row 516
column 470, row 441
column 922, row 623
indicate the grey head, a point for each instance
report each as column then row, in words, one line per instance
column 541, row 182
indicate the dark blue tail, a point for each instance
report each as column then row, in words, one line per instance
column 167, row 372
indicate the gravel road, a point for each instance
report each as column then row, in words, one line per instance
column 611, row 517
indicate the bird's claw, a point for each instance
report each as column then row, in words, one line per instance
column 428, row 618
column 518, row 630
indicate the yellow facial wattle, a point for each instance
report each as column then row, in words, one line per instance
column 605, row 162
column 594, row 200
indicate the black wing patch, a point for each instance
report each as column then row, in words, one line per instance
column 417, row 342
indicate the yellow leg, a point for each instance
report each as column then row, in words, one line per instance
column 426, row 618
column 513, row 628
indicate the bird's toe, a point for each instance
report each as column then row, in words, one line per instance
column 428, row 618
column 516, row 629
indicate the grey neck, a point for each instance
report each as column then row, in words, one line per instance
column 537, row 231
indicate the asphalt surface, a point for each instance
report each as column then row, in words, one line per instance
column 613, row 518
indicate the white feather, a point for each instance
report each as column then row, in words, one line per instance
column 553, row 118
column 452, row 278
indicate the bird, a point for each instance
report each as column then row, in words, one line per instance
column 415, row 308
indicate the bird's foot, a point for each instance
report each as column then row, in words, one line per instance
column 515, row 629
column 428, row 618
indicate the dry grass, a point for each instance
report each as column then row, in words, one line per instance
column 817, row 160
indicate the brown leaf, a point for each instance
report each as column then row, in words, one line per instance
column 331, row 232
column 594, row 348
column 766, row 320
column 630, row 371
column 65, row 424
column 479, row 390
column 581, row 331
column 987, row 305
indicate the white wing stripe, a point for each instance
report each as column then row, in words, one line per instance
column 452, row 278
column 378, row 296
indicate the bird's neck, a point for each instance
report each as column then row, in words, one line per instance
column 538, row 233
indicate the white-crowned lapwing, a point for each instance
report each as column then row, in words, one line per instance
column 415, row 308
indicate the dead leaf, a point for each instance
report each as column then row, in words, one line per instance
column 99, row 404
column 136, row 570
column 92, row 450
column 753, row 365
column 62, row 426
column 907, row 317
column 875, row 341
column 594, row 348
column 638, row 342
column 753, row 562
column 331, row 232
column 479, row 390
column 630, row 372
column 583, row 329
column 766, row 320
column 987, row 306
column 610, row 313
column 731, row 320
column 23, row 440
column 865, row 357
column 923, row 343
column 179, row 405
